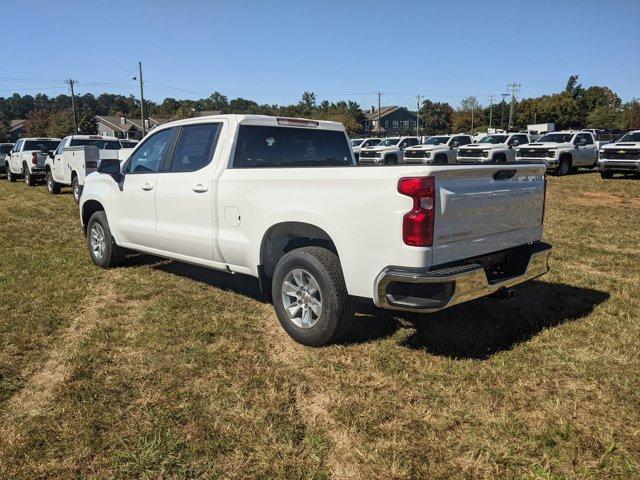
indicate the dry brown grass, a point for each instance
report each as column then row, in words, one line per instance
column 163, row 370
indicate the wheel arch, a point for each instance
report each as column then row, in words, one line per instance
column 89, row 208
column 285, row 236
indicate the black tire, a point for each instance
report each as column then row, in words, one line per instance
column 336, row 314
column 440, row 160
column 564, row 167
column 29, row 179
column 391, row 160
column 76, row 188
column 52, row 185
column 112, row 254
column 500, row 157
column 10, row 175
column 606, row 175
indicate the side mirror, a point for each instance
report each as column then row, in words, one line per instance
column 455, row 144
column 110, row 166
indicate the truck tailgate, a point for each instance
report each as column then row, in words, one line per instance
column 484, row 209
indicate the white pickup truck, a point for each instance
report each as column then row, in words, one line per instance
column 563, row 152
column 76, row 157
column 622, row 156
column 358, row 143
column 5, row 152
column 27, row 159
column 495, row 147
column 390, row 151
column 436, row 150
column 281, row 199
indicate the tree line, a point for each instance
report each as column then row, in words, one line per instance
column 573, row 107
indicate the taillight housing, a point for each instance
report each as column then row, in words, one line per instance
column 417, row 224
column 34, row 158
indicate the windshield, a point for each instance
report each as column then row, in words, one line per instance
column 387, row 142
column 494, row 139
column 356, row 142
column 437, row 141
column 40, row 145
column 5, row 148
column 556, row 138
column 100, row 143
column 631, row 137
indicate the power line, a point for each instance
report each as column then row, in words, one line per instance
column 73, row 104
column 515, row 89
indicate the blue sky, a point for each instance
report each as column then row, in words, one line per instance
column 271, row 51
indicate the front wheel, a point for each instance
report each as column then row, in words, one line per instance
column 606, row 175
column 564, row 167
column 102, row 246
column 10, row 175
column 52, row 185
column 310, row 296
column 77, row 189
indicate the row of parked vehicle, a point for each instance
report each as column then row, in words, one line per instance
column 563, row 152
column 59, row 162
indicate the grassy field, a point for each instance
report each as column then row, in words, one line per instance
column 162, row 370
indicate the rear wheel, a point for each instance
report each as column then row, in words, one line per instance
column 28, row 178
column 10, row 175
column 606, row 175
column 310, row 296
column 102, row 246
column 52, row 185
column 76, row 188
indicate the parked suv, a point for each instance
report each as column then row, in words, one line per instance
column 279, row 199
column 390, row 151
column 621, row 157
column 563, row 152
column 437, row 150
column 5, row 151
column 358, row 143
column 27, row 158
column 495, row 147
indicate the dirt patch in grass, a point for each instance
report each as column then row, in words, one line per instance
column 596, row 199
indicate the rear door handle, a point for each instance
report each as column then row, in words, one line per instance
column 147, row 187
column 200, row 188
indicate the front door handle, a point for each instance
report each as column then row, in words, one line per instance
column 147, row 187
column 200, row 188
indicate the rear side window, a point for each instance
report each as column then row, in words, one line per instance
column 273, row 147
column 195, row 147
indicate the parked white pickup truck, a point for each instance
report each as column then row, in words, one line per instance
column 279, row 199
column 27, row 159
column 76, row 157
column 495, row 147
column 563, row 152
column 437, row 150
column 389, row 151
column 621, row 157
column 358, row 143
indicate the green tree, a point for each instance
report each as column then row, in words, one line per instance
column 436, row 117
column 604, row 117
column 5, row 128
column 37, row 123
column 468, row 116
column 60, row 123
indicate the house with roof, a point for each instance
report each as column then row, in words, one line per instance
column 394, row 120
column 17, row 127
column 122, row 127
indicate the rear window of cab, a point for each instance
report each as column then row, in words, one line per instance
column 281, row 147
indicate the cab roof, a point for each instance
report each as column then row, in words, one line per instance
column 262, row 120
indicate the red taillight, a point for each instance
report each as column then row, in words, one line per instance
column 417, row 225
column 34, row 158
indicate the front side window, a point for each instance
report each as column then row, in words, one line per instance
column 194, row 149
column 272, row 147
column 149, row 156
column 17, row 146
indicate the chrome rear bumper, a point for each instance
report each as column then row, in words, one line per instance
column 450, row 286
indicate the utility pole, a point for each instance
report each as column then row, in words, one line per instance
column 473, row 109
column 502, row 111
column 490, row 110
column 418, row 116
column 379, row 126
column 515, row 87
column 142, row 100
column 73, row 105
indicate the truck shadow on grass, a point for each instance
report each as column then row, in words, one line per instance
column 474, row 330
column 481, row 328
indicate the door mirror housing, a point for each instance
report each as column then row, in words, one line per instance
column 110, row 166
